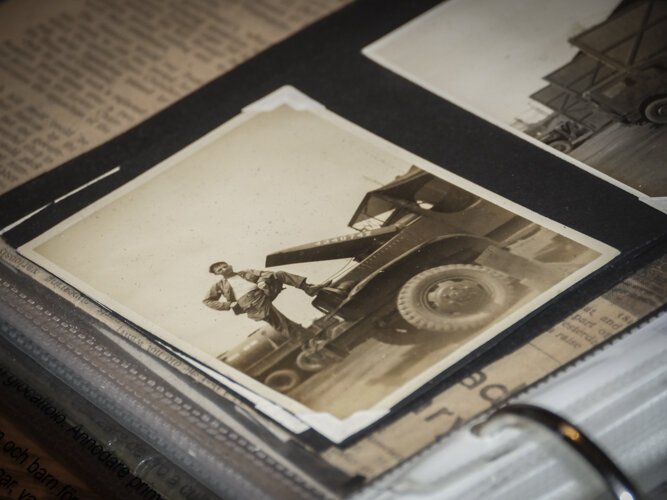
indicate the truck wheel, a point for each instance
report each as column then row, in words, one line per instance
column 562, row 145
column 655, row 110
column 283, row 380
column 311, row 362
column 454, row 298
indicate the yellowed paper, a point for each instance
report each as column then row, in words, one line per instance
column 76, row 73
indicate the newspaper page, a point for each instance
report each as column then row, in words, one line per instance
column 76, row 73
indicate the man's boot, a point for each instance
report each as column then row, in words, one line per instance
column 312, row 290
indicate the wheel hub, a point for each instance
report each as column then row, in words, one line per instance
column 456, row 296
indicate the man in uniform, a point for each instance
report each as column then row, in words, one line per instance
column 252, row 292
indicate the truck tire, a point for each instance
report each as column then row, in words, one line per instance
column 655, row 110
column 283, row 380
column 454, row 298
column 311, row 362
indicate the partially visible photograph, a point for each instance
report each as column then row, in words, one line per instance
column 588, row 79
column 316, row 265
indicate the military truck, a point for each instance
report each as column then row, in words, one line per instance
column 430, row 260
column 619, row 74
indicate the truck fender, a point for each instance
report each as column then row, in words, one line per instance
column 428, row 254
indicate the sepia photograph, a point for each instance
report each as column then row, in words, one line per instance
column 586, row 79
column 313, row 263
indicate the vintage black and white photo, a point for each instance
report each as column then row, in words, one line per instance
column 587, row 79
column 306, row 260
